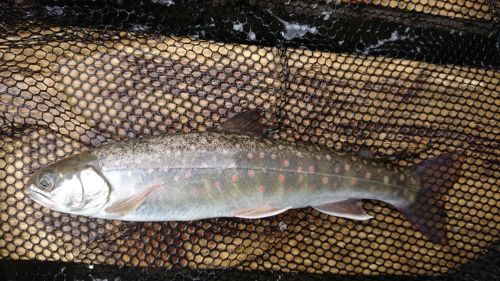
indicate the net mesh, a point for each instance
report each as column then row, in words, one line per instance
column 411, row 80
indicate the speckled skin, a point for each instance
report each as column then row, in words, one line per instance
column 211, row 174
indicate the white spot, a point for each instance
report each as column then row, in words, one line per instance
column 386, row 179
column 395, row 36
column 238, row 26
column 326, row 15
column 251, row 36
column 91, row 266
column 167, row 3
column 282, row 226
column 295, row 30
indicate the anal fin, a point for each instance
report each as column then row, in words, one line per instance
column 260, row 212
column 351, row 209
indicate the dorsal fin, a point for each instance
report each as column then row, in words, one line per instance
column 245, row 123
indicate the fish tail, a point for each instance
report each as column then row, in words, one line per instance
column 436, row 176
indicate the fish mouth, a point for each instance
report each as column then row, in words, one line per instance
column 39, row 197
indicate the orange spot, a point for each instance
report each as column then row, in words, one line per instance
column 311, row 169
column 262, row 189
column 299, row 169
column 337, row 170
column 251, row 173
column 286, row 163
column 335, row 185
column 250, row 155
column 347, row 167
column 273, row 156
column 368, row 175
column 195, row 192
column 324, row 180
column 354, row 181
column 281, row 178
column 234, row 178
column 262, row 155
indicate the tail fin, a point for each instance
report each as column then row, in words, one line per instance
column 427, row 212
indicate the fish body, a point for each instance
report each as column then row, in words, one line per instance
column 201, row 175
column 212, row 174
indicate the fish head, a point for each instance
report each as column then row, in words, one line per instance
column 70, row 186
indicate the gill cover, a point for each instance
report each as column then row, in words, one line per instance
column 95, row 190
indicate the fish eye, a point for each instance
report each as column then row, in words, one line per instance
column 45, row 183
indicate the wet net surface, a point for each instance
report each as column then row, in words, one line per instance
column 411, row 80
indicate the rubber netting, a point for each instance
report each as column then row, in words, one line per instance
column 409, row 79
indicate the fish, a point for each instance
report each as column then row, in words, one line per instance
column 237, row 170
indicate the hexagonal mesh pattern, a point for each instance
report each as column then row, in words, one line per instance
column 65, row 88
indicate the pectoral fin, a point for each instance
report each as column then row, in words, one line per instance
column 260, row 212
column 246, row 123
column 131, row 203
column 351, row 209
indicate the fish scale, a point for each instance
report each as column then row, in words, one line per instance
column 198, row 161
column 226, row 173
